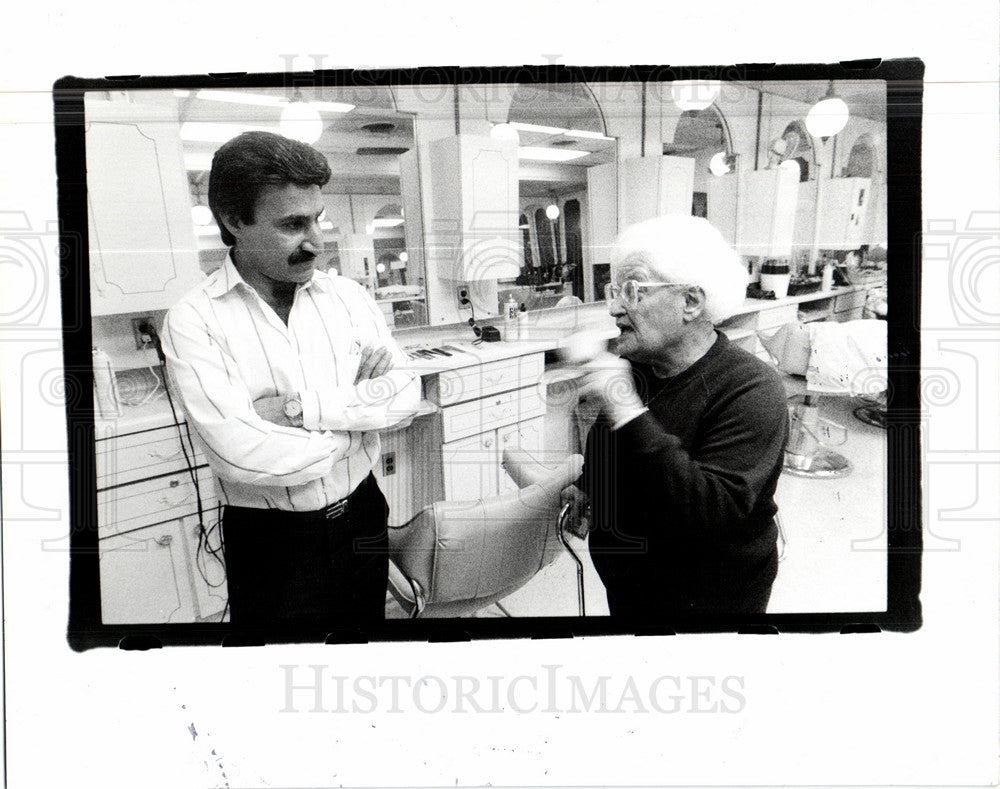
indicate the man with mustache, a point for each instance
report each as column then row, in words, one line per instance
column 682, row 466
column 285, row 374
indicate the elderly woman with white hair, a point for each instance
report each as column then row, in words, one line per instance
column 682, row 466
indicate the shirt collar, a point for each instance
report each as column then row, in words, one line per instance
column 227, row 278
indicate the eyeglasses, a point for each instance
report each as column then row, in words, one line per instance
column 628, row 291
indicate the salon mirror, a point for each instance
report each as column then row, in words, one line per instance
column 363, row 137
column 562, row 134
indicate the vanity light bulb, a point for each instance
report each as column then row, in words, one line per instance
column 552, row 212
column 404, row 257
column 827, row 117
column 718, row 165
column 380, row 268
column 201, row 215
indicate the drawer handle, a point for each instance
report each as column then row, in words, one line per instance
column 168, row 502
column 491, row 380
column 165, row 540
column 163, row 455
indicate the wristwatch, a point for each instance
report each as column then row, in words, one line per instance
column 293, row 411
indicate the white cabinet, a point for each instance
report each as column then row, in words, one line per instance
column 656, row 186
column 473, row 234
column 843, row 207
column 755, row 210
column 529, row 436
column 154, row 565
column 470, row 467
column 145, row 577
column 473, row 466
column 143, row 251
column 485, row 409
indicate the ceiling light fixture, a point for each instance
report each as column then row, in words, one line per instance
column 505, row 131
column 548, row 154
column 238, row 97
column 301, row 121
column 828, row 116
column 199, row 131
column 589, row 135
column 695, row 94
column 267, row 100
column 531, row 127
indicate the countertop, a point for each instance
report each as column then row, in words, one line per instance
column 547, row 330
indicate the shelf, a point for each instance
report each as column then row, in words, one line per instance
column 394, row 299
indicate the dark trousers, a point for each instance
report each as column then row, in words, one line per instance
column 302, row 570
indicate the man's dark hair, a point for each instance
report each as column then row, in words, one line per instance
column 245, row 164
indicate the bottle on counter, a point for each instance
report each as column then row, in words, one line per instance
column 510, row 319
column 522, row 323
column 827, row 281
column 106, row 402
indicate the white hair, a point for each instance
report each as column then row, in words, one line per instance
column 688, row 250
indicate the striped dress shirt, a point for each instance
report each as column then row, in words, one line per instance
column 225, row 348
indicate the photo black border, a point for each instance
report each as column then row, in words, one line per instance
column 904, row 103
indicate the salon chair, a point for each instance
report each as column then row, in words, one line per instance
column 836, row 359
column 455, row 558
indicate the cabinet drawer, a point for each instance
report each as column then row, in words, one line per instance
column 489, row 413
column 850, row 301
column 778, row 316
column 145, row 577
column 153, row 501
column 469, row 383
column 137, row 456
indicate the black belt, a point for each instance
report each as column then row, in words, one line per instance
column 331, row 511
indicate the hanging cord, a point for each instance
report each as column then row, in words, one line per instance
column 204, row 535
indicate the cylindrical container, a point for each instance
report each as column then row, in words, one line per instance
column 776, row 283
column 510, row 319
column 827, row 282
column 522, row 324
column 106, row 402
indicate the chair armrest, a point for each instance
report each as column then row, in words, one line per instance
column 522, row 467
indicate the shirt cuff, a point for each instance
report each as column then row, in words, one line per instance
column 628, row 416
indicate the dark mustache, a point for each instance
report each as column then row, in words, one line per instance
column 301, row 257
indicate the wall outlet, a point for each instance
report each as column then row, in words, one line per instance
column 463, row 295
column 142, row 340
column 388, row 464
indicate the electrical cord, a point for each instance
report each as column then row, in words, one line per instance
column 472, row 322
column 204, row 535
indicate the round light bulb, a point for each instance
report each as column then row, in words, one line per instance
column 380, row 268
column 504, row 131
column 404, row 256
column 202, row 215
column 552, row 211
column 718, row 165
column 695, row 94
column 301, row 121
column 827, row 117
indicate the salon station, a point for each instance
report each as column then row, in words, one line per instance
column 480, row 219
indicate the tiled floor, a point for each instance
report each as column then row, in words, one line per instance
column 552, row 592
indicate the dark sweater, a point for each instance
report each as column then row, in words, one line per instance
column 683, row 496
